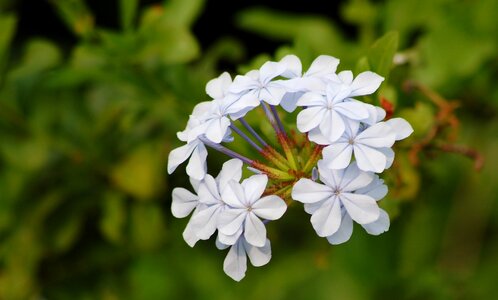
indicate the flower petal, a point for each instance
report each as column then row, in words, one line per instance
column 243, row 83
column 272, row 93
column 205, row 221
column 270, row 70
column 217, row 87
column 310, row 118
column 289, row 101
column 235, row 263
column 293, row 66
column 254, row 230
column 208, row 191
column 308, row 191
column 353, row 178
column 196, row 166
column 184, row 202
column 379, row 226
column 346, row 77
column 366, row 83
column 254, row 187
column 179, row 155
column 217, row 129
column 312, row 99
column 401, row 128
column 270, row 207
column 259, row 256
column 230, row 220
column 230, row 239
column 332, row 125
column 344, row 232
column 376, row 136
column 338, row 155
column 316, row 136
column 376, row 189
column 363, row 209
column 231, row 170
column 233, row 195
column 369, row 159
column 323, row 65
column 190, row 235
column 327, row 219
column 352, row 109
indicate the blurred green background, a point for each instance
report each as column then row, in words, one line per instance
column 92, row 94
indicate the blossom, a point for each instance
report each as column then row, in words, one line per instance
column 246, row 207
column 338, row 190
column 332, row 109
column 257, row 85
column 235, row 263
column 207, row 203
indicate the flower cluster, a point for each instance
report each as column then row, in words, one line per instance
column 314, row 166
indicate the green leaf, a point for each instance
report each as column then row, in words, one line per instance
column 381, row 54
column 128, row 10
column 8, row 27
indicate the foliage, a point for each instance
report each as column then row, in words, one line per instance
column 85, row 132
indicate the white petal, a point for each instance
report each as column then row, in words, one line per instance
column 310, row 118
column 272, row 94
column 363, row 209
column 323, row 65
column 375, row 114
column 401, row 128
column 376, row 189
column 217, row 129
column 293, row 67
column 376, row 136
column 337, row 155
column 259, row 256
column 270, row 70
column 353, row 178
column 331, row 178
column 308, row 191
column 366, row 83
column 270, row 207
column 312, row 99
column 206, row 221
column 190, row 235
column 220, row 245
column 231, row 220
column 379, row 226
column 196, row 166
column 389, row 153
column 369, row 159
column 254, row 187
column 346, row 77
column 332, row 125
column 352, row 109
column 217, row 87
column 179, row 155
column 316, row 136
column 242, row 104
column 289, row 101
column 208, row 191
column 327, row 219
column 233, row 195
column 310, row 208
column 235, row 264
column 201, row 108
column 243, row 83
column 254, row 230
column 230, row 239
column 344, row 232
column 231, row 170
column 183, row 202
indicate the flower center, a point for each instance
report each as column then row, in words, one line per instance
column 337, row 192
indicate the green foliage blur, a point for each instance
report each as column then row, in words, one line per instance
column 85, row 133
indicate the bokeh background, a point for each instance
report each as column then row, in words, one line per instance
column 93, row 92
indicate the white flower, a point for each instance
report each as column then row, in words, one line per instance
column 313, row 79
column 377, row 190
column 257, row 85
column 339, row 190
column 246, row 207
column 369, row 148
column 235, row 264
column 207, row 204
column 332, row 110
